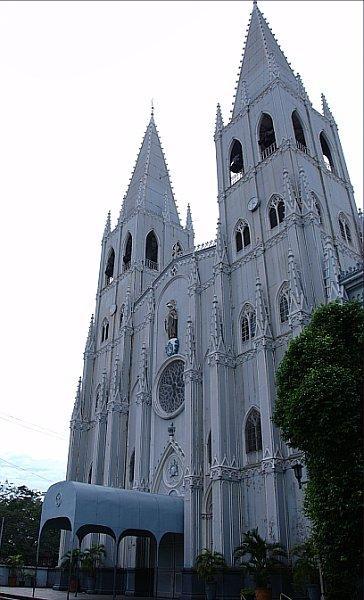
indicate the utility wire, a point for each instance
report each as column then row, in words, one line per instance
column 31, row 426
column 24, row 469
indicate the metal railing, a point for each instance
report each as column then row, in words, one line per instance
column 151, row 264
column 234, row 177
column 284, row 597
column 301, row 147
column 268, row 151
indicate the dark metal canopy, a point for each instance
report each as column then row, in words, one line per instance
column 84, row 508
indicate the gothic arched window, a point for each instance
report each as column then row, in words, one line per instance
column 267, row 136
column 109, row 271
column 127, row 252
column 276, row 211
column 209, row 450
column 253, row 432
column 248, row 323
column 298, row 131
column 104, row 330
column 326, row 152
column 151, row 251
column 97, row 396
column 89, row 478
column 236, row 162
column 242, row 235
column 284, row 304
column 132, row 468
column 345, row 229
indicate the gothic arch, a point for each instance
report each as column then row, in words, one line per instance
column 253, row 442
column 282, row 305
column 171, row 449
column 235, row 161
column 128, row 250
column 276, row 210
column 110, row 266
column 266, row 136
column 151, row 254
column 327, row 152
column 345, row 228
column 299, row 130
column 241, row 235
column 105, row 330
column 247, row 324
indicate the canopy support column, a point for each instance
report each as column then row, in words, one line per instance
column 116, row 557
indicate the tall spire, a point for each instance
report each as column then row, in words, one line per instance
column 263, row 60
column 150, row 182
column 77, row 412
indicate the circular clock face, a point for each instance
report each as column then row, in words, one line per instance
column 253, row 204
column 171, row 393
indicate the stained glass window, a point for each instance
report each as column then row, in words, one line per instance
column 171, row 387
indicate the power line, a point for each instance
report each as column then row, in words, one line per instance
column 24, row 469
column 30, row 426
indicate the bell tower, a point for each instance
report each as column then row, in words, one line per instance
column 279, row 159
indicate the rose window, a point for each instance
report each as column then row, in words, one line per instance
column 171, row 387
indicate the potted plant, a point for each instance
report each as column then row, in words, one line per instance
column 247, row 594
column 259, row 559
column 305, row 570
column 70, row 562
column 15, row 564
column 91, row 560
column 208, row 563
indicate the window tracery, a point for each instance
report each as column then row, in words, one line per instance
column 242, row 235
column 284, row 305
column 253, row 432
column 171, row 392
column 345, row 229
column 248, row 323
column 276, row 211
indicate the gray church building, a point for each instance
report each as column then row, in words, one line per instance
column 178, row 386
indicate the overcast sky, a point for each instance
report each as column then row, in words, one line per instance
column 77, row 79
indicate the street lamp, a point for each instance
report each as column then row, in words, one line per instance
column 297, row 469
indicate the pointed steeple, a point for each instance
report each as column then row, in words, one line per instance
column 263, row 60
column 219, row 123
column 107, row 229
column 150, row 182
column 77, row 409
column 326, row 111
column 189, row 223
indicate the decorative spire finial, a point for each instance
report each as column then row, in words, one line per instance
column 219, row 124
column 189, row 223
column 152, row 109
column 107, row 229
column 326, row 111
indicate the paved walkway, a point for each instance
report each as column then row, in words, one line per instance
column 48, row 594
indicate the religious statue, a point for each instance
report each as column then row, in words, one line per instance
column 171, row 320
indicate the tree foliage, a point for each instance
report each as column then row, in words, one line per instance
column 258, row 558
column 21, row 509
column 319, row 409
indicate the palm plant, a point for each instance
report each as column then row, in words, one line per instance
column 92, row 558
column 259, row 558
column 208, row 563
column 74, row 557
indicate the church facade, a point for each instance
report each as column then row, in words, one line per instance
column 178, row 386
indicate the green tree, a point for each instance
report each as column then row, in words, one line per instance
column 21, row 508
column 319, row 409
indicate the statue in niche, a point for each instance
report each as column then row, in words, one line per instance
column 171, row 320
column 173, row 469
